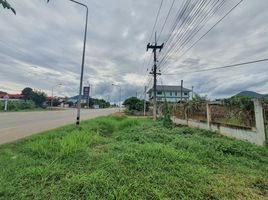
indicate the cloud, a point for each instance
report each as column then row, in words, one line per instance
column 42, row 46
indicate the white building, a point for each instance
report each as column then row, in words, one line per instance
column 170, row 93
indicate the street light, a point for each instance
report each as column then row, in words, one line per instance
column 52, row 93
column 83, row 61
column 120, row 94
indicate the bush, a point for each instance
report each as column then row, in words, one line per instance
column 15, row 105
column 167, row 122
column 135, row 104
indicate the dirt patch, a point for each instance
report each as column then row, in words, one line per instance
column 99, row 149
column 118, row 114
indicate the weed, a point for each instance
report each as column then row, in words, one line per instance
column 132, row 158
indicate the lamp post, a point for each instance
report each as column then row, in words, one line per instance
column 83, row 62
column 119, row 96
column 53, row 94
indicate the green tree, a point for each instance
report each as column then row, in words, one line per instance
column 135, row 104
column 39, row 98
column 27, row 93
column 101, row 102
column 6, row 5
column 1, row 92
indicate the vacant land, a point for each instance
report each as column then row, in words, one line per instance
column 129, row 158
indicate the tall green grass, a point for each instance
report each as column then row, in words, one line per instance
column 17, row 105
column 132, row 158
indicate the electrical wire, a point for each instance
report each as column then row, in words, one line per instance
column 169, row 11
column 222, row 67
column 212, row 28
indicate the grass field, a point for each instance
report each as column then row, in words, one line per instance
column 131, row 158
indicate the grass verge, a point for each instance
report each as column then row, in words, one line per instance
column 119, row 157
column 25, row 110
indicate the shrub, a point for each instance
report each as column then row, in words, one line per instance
column 135, row 104
column 167, row 122
column 15, row 105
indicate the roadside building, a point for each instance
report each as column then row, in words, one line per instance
column 171, row 93
column 74, row 99
column 12, row 96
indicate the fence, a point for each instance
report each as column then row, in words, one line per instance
column 242, row 123
column 265, row 113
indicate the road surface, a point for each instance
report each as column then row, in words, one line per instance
column 16, row 125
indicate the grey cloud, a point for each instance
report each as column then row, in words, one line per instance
column 49, row 36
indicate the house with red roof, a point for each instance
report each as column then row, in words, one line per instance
column 11, row 96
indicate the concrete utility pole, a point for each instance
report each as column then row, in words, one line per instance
column 144, row 106
column 154, row 72
column 119, row 96
column 181, row 90
column 6, row 97
column 192, row 92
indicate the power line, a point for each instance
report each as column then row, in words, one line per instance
column 186, row 39
column 169, row 11
column 183, row 16
column 156, row 19
column 211, row 28
column 190, row 21
column 222, row 67
column 198, row 18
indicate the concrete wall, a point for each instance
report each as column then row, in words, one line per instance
column 252, row 135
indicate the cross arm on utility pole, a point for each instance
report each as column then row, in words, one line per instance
column 154, row 47
column 157, row 73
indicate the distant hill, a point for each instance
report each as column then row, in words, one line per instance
column 249, row 94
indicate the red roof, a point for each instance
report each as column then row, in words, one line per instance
column 11, row 95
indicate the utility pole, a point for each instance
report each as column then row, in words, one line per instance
column 192, row 92
column 119, row 104
column 6, row 97
column 181, row 90
column 144, row 106
column 154, row 72
column 88, row 98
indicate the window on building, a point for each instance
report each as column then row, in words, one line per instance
column 159, row 93
column 170, row 93
column 176, row 93
column 185, row 93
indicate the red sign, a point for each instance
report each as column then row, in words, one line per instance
column 86, row 91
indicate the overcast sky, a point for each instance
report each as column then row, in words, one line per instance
column 41, row 47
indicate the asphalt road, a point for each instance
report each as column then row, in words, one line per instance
column 16, row 125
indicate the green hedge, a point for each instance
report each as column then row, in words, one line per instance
column 15, row 105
